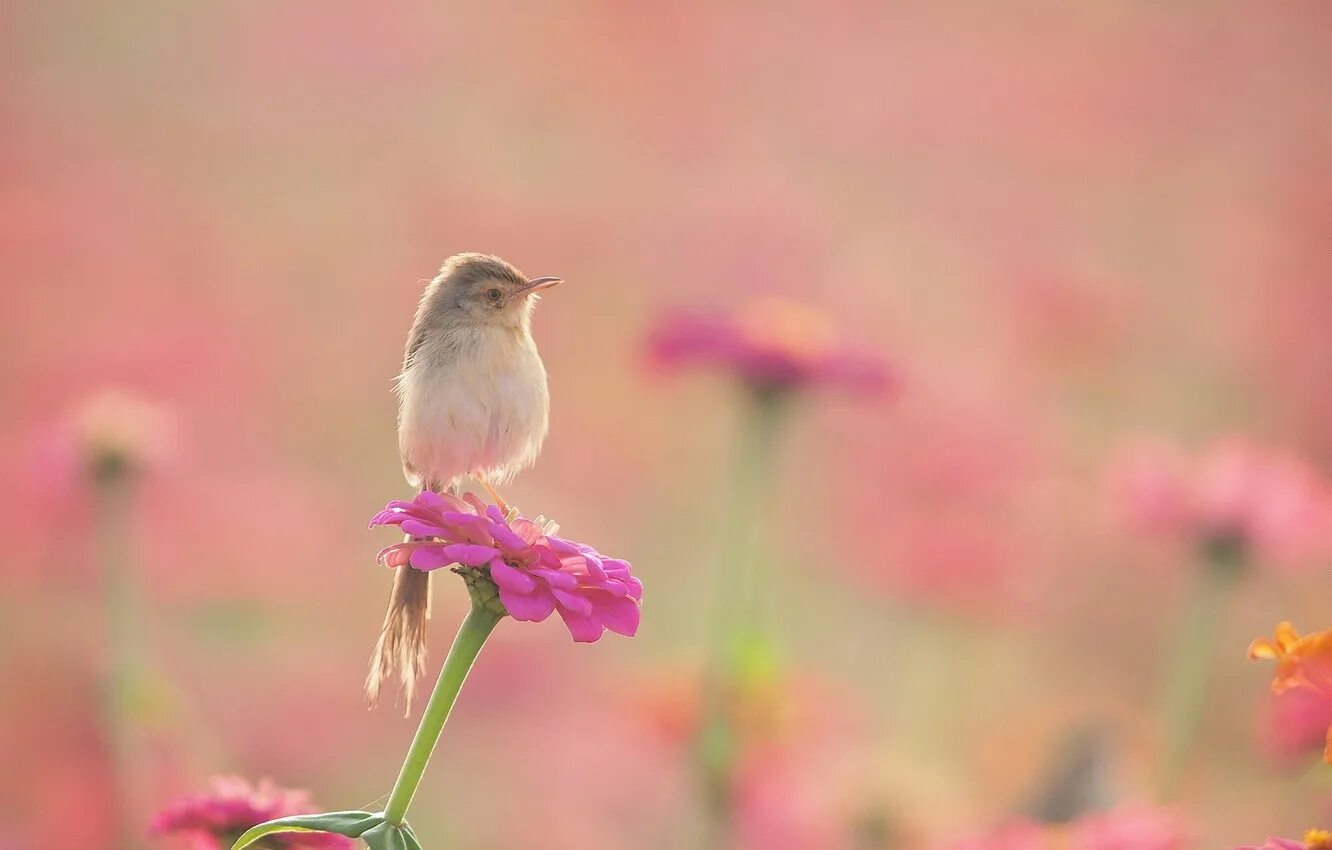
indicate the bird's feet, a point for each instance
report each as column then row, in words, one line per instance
column 494, row 495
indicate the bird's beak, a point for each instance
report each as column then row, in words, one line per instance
column 537, row 284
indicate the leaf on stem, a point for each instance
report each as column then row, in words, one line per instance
column 350, row 824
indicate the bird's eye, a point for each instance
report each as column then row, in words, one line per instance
column 493, row 294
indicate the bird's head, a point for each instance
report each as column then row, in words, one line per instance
column 484, row 289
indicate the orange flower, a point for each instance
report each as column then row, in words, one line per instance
column 1302, row 662
column 1318, row 839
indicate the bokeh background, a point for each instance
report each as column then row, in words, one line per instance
column 1066, row 225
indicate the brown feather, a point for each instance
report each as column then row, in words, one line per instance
column 401, row 648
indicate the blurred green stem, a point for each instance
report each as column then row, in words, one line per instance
column 113, row 490
column 476, row 627
column 735, row 637
column 1191, row 668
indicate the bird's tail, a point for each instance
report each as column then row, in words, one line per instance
column 401, row 648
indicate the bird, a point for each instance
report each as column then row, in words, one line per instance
column 472, row 403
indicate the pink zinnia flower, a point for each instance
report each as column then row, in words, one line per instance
column 1269, row 503
column 535, row 572
column 773, row 345
column 216, row 819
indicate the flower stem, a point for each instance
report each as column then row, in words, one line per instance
column 752, row 480
column 736, row 609
column 1186, row 687
column 472, row 634
column 113, row 489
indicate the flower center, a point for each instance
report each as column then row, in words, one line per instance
column 788, row 327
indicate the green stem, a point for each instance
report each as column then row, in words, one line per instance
column 753, row 475
column 1191, row 668
column 736, row 605
column 114, row 500
column 472, row 634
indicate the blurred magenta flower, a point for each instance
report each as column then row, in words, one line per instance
column 110, row 432
column 1126, row 828
column 1130, row 828
column 1314, row 839
column 1295, row 722
column 771, row 345
column 535, row 572
column 214, row 820
column 1271, row 504
column 116, row 429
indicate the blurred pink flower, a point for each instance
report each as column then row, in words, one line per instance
column 1127, row 828
column 214, row 820
column 797, row 753
column 1020, row 835
column 109, row 431
column 1296, row 721
column 117, row 430
column 771, row 345
column 535, row 572
column 1130, row 828
column 1272, row 504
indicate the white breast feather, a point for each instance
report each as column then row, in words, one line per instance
column 484, row 414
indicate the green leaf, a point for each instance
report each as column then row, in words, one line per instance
column 386, row 836
column 350, row 824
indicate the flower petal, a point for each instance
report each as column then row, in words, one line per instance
column 583, row 629
column 507, row 577
column 572, row 602
column 421, row 528
column 506, row 539
column 529, row 607
column 430, row 557
column 397, row 555
column 430, row 498
column 470, row 554
column 556, row 578
column 526, row 529
column 619, row 615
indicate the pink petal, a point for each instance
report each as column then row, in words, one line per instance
column 419, row 528
column 506, row 539
column 507, row 577
column 469, row 554
column 430, row 558
column 396, row 555
column 615, row 566
column 619, row 615
column 430, row 498
column 526, row 529
column 528, row 607
column 385, row 517
column 633, row 585
column 572, row 602
column 562, row 546
column 594, row 566
column 556, row 578
column 583, row 629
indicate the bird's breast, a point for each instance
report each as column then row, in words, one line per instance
column 475, row 409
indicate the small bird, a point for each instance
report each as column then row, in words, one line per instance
column 472, row 402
